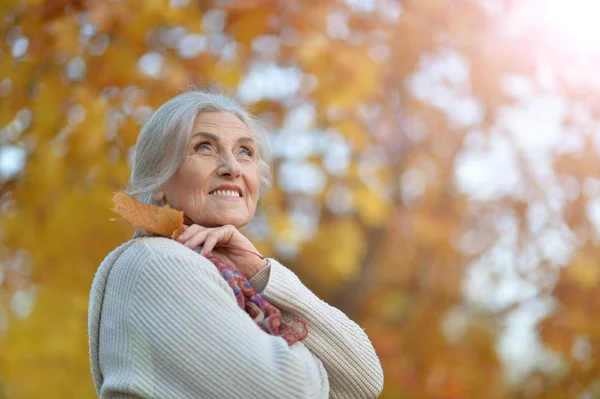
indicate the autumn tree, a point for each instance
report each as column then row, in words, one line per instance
column 434, row 176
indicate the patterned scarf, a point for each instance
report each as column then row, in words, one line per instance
column 265, row 315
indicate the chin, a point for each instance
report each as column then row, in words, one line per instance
column 239, row 223
column 234, row 221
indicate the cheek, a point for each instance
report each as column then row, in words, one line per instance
column 254, row 181
column 189, row 182
column 196, row 176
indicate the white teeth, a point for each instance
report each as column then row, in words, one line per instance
column 226, row 193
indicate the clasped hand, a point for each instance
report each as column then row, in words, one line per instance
column 212, row 237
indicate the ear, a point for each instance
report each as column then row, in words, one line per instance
column 158, row 195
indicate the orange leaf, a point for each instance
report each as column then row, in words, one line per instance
column 164, row 220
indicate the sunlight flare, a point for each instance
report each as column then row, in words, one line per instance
column 575, row 22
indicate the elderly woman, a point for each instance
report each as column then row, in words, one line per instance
column 205, row 315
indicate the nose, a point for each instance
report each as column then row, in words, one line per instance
column 230, row 167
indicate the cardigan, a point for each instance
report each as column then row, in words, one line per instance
column 163, row 323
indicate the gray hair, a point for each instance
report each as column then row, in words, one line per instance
column 162, row 143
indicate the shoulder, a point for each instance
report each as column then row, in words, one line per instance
column 147, row 247
column 155, row 265
column 148, row 255
column 155, row 268
column 139, row 251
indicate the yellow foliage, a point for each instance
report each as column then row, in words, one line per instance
column 372, row 209
column 65, row 36
column 356, row 76
column 430, row 229
column 250, row 22
column 352, row 132
column 339, row 249
column 48, row 104
column 412, row 276
column 46, row 172
column 280, row 224
column 584, row 271
column 48, row 348
column 395, row 306
column 175, row 74
column 89, row 136
column 8, row 5
column 227, row 74
column 311, row 49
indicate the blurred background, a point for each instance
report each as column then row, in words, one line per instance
column 436, row 174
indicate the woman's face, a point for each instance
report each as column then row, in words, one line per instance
column 218, row 181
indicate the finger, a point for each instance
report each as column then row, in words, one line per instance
column 210, row 242
column 197, row 239
column 189, row 232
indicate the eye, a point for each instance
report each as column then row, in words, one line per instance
column 247, row 151
column 202, row 146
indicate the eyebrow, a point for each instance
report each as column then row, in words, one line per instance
column 216, row 138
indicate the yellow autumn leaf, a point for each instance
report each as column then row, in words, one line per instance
column 162, row 220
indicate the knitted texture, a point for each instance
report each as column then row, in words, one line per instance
column 267, row 316
column 163, row 323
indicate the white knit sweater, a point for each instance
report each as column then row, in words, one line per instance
column 163, row 323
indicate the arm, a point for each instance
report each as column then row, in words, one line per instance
column 192, row 340
column 352, row 365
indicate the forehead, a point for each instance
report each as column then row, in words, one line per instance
column 223, row 124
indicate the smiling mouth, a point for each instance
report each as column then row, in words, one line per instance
column 225, row 193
